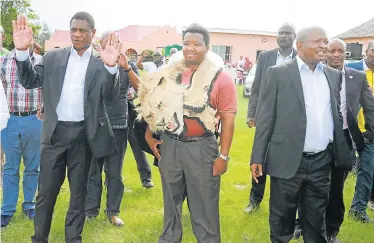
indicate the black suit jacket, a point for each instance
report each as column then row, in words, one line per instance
column 281, row 122
column 265, row 60
column 99, row 85
column 359, row 95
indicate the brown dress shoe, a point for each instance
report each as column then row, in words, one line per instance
column 116, row 221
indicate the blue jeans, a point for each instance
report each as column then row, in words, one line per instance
column 21, row 138
column 364, row 182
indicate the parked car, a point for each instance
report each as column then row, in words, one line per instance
column 248, row 82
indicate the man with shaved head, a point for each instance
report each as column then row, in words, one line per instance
column 298, row 133
column 117, row 110
column 355, row 93
column 285, row 52
column 364, row 184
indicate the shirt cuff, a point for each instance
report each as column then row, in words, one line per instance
column 22, row 56
column 112, row 70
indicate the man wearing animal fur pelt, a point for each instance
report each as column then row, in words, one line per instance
column 184, row 102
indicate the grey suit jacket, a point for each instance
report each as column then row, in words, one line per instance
column 99, row 85
column 281, row 122
column 359, row 95
column 266, row 59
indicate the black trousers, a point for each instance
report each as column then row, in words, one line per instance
column 69, row 150
column 309, row 188
column 335, row 209
column 258, row 190
column 140, row 158
column 115, row 187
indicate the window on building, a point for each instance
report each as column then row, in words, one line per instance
column 224, row 52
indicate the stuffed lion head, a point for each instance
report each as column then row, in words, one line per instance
column 161, row 99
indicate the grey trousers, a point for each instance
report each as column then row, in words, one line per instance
column 186, row 170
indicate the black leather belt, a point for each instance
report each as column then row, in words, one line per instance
column 71, row 123
column 28, row 113
column 182, row 138
column 310, row 155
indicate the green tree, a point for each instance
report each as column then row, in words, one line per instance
column 10, row 9
column 44, row 34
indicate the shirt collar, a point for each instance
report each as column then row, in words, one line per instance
column 87, row 53
column 287, row 57
column 301, row 64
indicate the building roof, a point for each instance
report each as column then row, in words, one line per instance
column 364, row 30
column 240, row 32
column 137, row 32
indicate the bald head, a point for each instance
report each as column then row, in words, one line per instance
column 337, row 41
column 335, row 56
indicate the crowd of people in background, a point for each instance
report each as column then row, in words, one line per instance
column 71, row 113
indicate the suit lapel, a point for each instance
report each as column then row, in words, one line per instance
column 273, row 57
column 90, row 74
column 294, row 53
column 294, row 73
column 62, row 69
column 334, row 102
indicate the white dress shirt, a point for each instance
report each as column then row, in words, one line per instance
column 343, row 101
column 320, row 125
column 281, row 59
column 71, row 107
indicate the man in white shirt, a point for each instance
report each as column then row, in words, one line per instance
column 76, row 126
column 298, row 134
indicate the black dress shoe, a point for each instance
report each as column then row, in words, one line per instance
column 5, row 219
column 147, row 184
column 30, row 213
column 362, row 218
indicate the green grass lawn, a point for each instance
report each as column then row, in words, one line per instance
column 142, row 210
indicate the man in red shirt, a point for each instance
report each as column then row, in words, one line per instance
column 190, row 163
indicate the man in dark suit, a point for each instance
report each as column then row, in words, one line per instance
column 355, row 93
column 285, row 38
column 299, row 134
column 118, row 117
column 365, row 182
column 76, row 126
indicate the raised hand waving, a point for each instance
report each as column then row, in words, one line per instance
column 111, row 53
column 22, row 33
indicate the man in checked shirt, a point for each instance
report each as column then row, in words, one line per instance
column 20, row 139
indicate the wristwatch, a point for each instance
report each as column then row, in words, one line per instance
column 225, row 158
column 128, row 70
